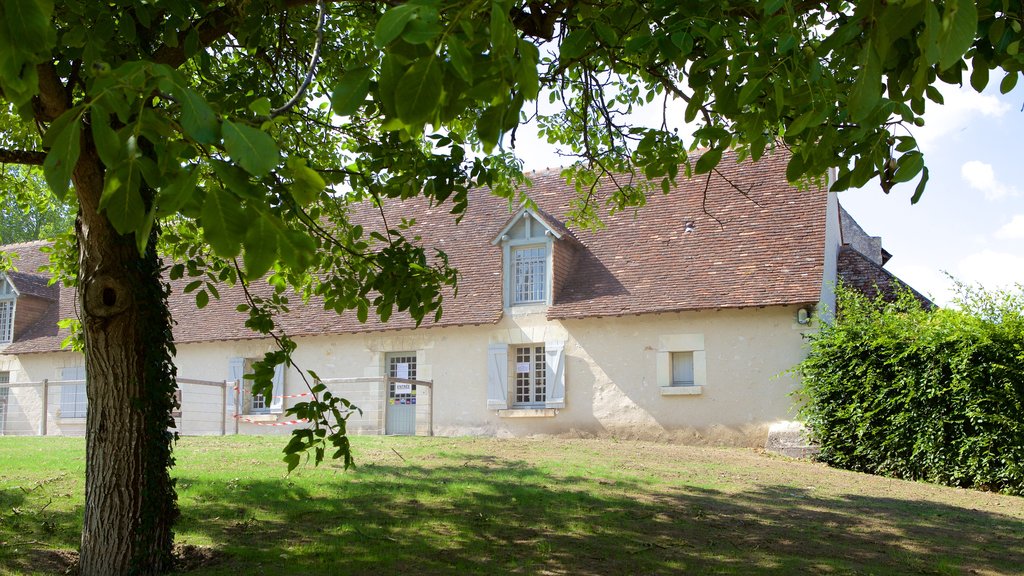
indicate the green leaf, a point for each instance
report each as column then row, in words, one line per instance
column 908, row 166
column 292, row 460
column 796, row 167
column 223, row 221
column 237, row 180
column 749, row 92
column 350, row 93
column 707, row 161
column 28, row 23
column 121, row 201
column 420, row 31
column 197, row 118
column 956, row 34
column 461, row 59
column 392, row 23
column 177, row 192
column 307, row 184
column 979, row 75
column 261, row 106
column 503, row 35
column 575, row 45
column 1009, row 82
column 488, row 127
column 108, row 144
column 920, row 187
column 202, row 299
column 63, row 155
column 419, row 92
column 867, row 90
column 260, row 247
column 362, row 311
column 253, row 149
column 296, row 248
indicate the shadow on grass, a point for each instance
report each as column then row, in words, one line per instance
column 502, row 516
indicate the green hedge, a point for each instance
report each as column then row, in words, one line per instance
column 896, row 390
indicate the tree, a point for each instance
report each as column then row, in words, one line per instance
column 27, row 209
column 204, row 127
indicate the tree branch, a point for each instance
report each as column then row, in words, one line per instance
column 28, row 157
column 321, row 18
column 53, row 99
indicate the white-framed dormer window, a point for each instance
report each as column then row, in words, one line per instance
column 528, row 244
column 529, row 274
column 8, row 299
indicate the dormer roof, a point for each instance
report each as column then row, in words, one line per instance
column 37, row 285
column 553, row 225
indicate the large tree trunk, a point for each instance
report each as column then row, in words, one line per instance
column 130, row 502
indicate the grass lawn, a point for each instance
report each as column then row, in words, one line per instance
column 493, row 506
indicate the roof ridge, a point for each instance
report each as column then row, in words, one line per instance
column 26, row 244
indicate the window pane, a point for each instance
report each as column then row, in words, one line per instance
column 6, row 320
column 401, row 365
column 529, row 270
column 530, row 375
column 682, row 368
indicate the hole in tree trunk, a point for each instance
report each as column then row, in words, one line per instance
column 109, row 296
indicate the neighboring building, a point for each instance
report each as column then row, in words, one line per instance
column 679, row 320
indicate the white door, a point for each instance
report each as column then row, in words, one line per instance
column 401, row 407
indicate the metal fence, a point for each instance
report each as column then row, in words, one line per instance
column 58, row 407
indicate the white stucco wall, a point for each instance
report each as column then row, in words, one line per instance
column 611, row 377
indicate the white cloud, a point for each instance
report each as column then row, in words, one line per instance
column 958, row 113
column 991, row 269
column 1013, row 229
column 980, row 176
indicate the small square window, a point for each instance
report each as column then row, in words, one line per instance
column 682, row 369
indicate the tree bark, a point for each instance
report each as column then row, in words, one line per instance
column 130, row 504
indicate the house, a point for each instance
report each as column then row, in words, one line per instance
column 676, row 321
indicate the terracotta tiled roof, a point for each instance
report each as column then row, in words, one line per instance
column 857, row 271
column 754, row 240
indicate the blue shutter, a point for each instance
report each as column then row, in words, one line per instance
column 497, row 376
column 236, row 369
column 277, row 402
column 554, row 363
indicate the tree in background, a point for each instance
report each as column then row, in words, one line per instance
column 27, row 209
column 204, row 126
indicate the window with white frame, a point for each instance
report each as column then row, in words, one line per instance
column 7, row 300
column 247, row 402
column 527, row 375
column 682, row 368
column 681, row 364
column 402, row 365
column 73, row 401
column 529, row 274
column 531, row 375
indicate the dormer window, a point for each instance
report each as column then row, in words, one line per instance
column 8, row 297
column 528, row 241
column 529, row 274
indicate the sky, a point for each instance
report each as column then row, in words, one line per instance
column 970, row 221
